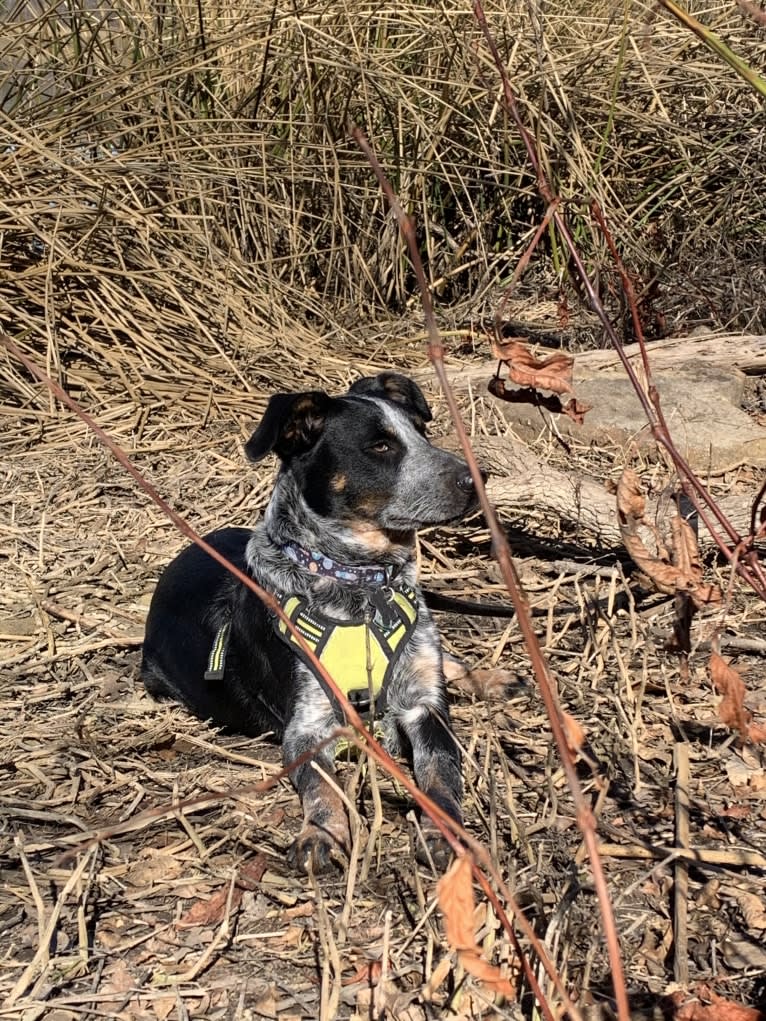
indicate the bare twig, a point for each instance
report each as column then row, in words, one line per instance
column 522, row 265
column 681, row 867
column 735, row 856
column 585, row 819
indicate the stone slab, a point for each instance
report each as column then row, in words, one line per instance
column 701, row 406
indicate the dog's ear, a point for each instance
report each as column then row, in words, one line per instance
column 291, row 425
column 392, row 386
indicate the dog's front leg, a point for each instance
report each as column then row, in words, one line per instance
column 436, row 765
column 423, row 718
column 325, row 837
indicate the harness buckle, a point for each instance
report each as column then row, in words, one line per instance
column 360, row 700
column 382, row 600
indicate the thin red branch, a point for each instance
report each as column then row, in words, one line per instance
column 751, row 570
column 747, row 565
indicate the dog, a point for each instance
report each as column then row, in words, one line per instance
column 358, row 478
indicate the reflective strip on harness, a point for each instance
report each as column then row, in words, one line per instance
column 217, row 659
column 358, row 656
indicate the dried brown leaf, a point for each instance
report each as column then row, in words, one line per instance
column 163, row 1006
column 727, row 681
column 210, row 911
column 367, row 971
column 576, row 410
column 304, row 910
column 153, row 867
column 456, row 900
column 686, row 556
column 118, row 978
column 678, row 570
column 437, row 978
column 717, row 1009
column 753, row 909
column 631, row 503
column 525, row 395
column 732, row 709
column 574, row 732
column 483, row 683
column 251, row 872
column 744, row 954
column 266, row 1004
column 553, row 373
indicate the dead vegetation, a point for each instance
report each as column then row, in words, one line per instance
column 186, row 228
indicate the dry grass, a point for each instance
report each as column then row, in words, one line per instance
column 185, row 229
column 179, row 185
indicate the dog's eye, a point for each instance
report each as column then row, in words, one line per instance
column 384, row 446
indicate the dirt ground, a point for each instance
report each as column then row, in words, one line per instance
column 144, row 877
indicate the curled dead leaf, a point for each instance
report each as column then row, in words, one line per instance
column 707, row 1005
column 573, row 409
column 456, row 900
column 674, row 570
column 553, row 373
column 686, row 557
column 576, row 410
column 574, row 733
column 631, row 503
column 367, row 971
column 732, row 709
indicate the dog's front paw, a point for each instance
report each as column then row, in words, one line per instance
column 433, row 848
column 485, row 684
column 315, row 849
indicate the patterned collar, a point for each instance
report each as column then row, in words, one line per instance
column 371, row 575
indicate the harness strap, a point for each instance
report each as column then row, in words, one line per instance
column 216, row 662
column 358, row 655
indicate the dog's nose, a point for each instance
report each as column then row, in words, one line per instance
column 465, row 481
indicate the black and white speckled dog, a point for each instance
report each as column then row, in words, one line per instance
column 336, row 546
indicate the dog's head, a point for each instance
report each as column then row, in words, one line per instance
column 364, row 456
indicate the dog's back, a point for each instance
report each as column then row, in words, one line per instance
column 196, row 601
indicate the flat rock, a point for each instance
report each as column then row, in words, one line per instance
column 701, row 403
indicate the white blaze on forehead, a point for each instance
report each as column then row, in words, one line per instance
column 398, row 421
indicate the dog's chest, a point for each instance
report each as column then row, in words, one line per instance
column 360, row 654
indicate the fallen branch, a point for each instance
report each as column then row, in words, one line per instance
column 524, row 488
column 735, row 856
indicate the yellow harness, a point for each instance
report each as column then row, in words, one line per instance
column 359, row 656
